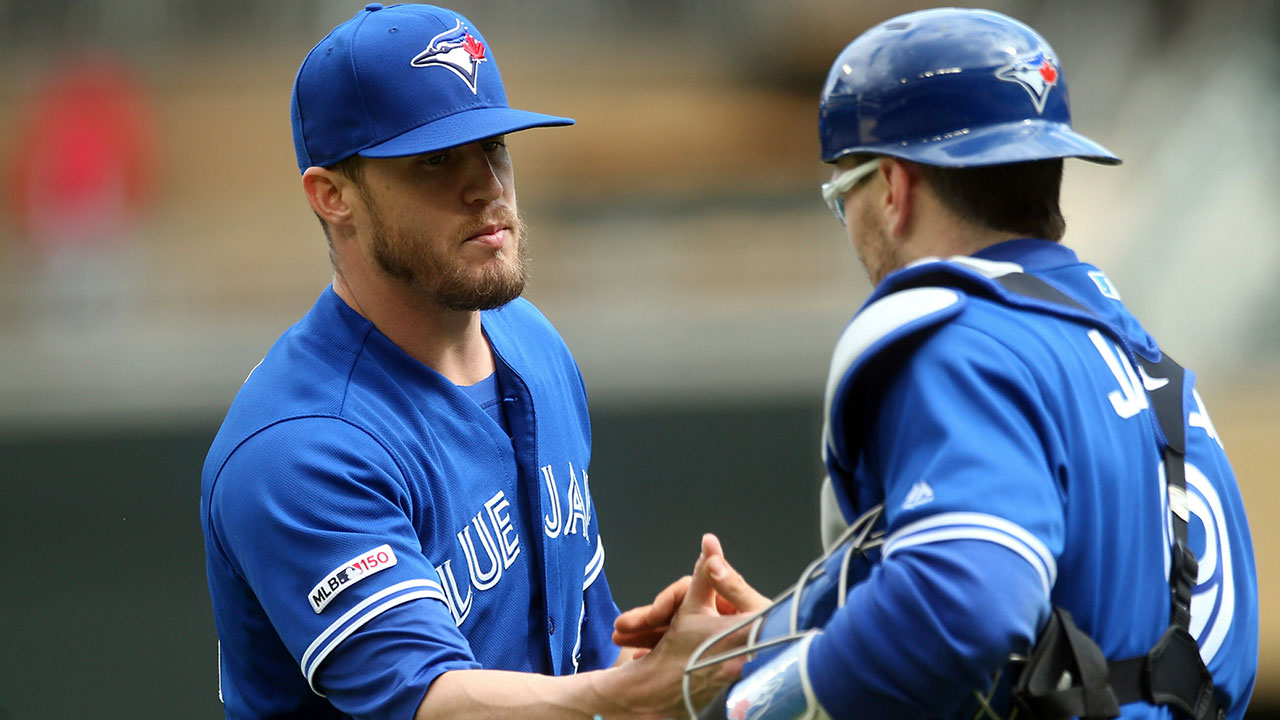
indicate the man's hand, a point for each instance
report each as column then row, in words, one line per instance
column 680, row 619
column 642, row 627
column 688, row 612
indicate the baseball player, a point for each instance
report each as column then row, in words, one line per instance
column 1053, row 527
column 399, row 497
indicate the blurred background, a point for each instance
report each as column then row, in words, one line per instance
column 154, row 242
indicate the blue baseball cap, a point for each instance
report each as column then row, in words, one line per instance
column 400, row 80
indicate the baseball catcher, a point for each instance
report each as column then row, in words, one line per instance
column 1042, row 522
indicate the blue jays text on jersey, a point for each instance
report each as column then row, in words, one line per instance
column 368, row 526
column 1017, row 459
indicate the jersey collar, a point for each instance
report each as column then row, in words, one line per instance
column 1033, row 254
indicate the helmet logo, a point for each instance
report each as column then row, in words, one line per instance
column 1037, row 74
column 457, row 50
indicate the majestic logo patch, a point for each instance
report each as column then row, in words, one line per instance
column 1037, row 74
column 347, row 574
column 457, row 50
column 918, row 495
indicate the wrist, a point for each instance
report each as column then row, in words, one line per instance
column 633, row 691
column 615, row 692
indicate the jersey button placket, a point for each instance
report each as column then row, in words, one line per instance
column 551, row 626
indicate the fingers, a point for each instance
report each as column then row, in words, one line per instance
column 729, row 585
column 657, row 614
column 711, row 545
column 644, row 626
column 732, row 587
column 639, row 640
column 701, row 595
column 633, row 621
column 633, row 629
column 665, row 604
column 715, row 588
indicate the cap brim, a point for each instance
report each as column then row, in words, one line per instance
column 1000, row 144
column 462, row 128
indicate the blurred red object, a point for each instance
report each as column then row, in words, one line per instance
column 84, row 158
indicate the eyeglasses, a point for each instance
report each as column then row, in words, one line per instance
column 833, row 192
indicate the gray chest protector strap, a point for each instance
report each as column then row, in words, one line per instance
column 1066, row 674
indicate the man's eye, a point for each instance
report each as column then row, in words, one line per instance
column 491, row 145
column 435, row 159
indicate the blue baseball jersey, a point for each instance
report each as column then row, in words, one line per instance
column 1019, row 464
column 368, row 526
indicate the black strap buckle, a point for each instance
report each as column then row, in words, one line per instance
column 1066, row 675
column 1176, row 676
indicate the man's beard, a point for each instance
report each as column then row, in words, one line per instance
column 878, row 254
column 445, row 279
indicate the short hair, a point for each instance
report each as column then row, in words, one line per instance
column 1020, row 198
column 350, row 167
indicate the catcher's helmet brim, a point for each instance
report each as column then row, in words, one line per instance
column 1013, row 142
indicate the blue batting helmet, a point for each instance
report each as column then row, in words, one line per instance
column 951, row 87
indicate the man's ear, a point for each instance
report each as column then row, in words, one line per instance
column 903, row 180
column 329, row 193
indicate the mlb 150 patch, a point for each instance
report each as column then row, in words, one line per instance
column 349, row 573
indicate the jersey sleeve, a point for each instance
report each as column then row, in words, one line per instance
column 312, row 515
column 925, row 630
column 964, row 446
column 966, row 460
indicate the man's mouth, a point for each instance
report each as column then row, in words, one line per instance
column 493, row 234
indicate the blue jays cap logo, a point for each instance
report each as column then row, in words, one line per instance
column 1037, row 74
column 456, row 49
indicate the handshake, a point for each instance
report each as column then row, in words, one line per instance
column 708, row 647
column 709, row 611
